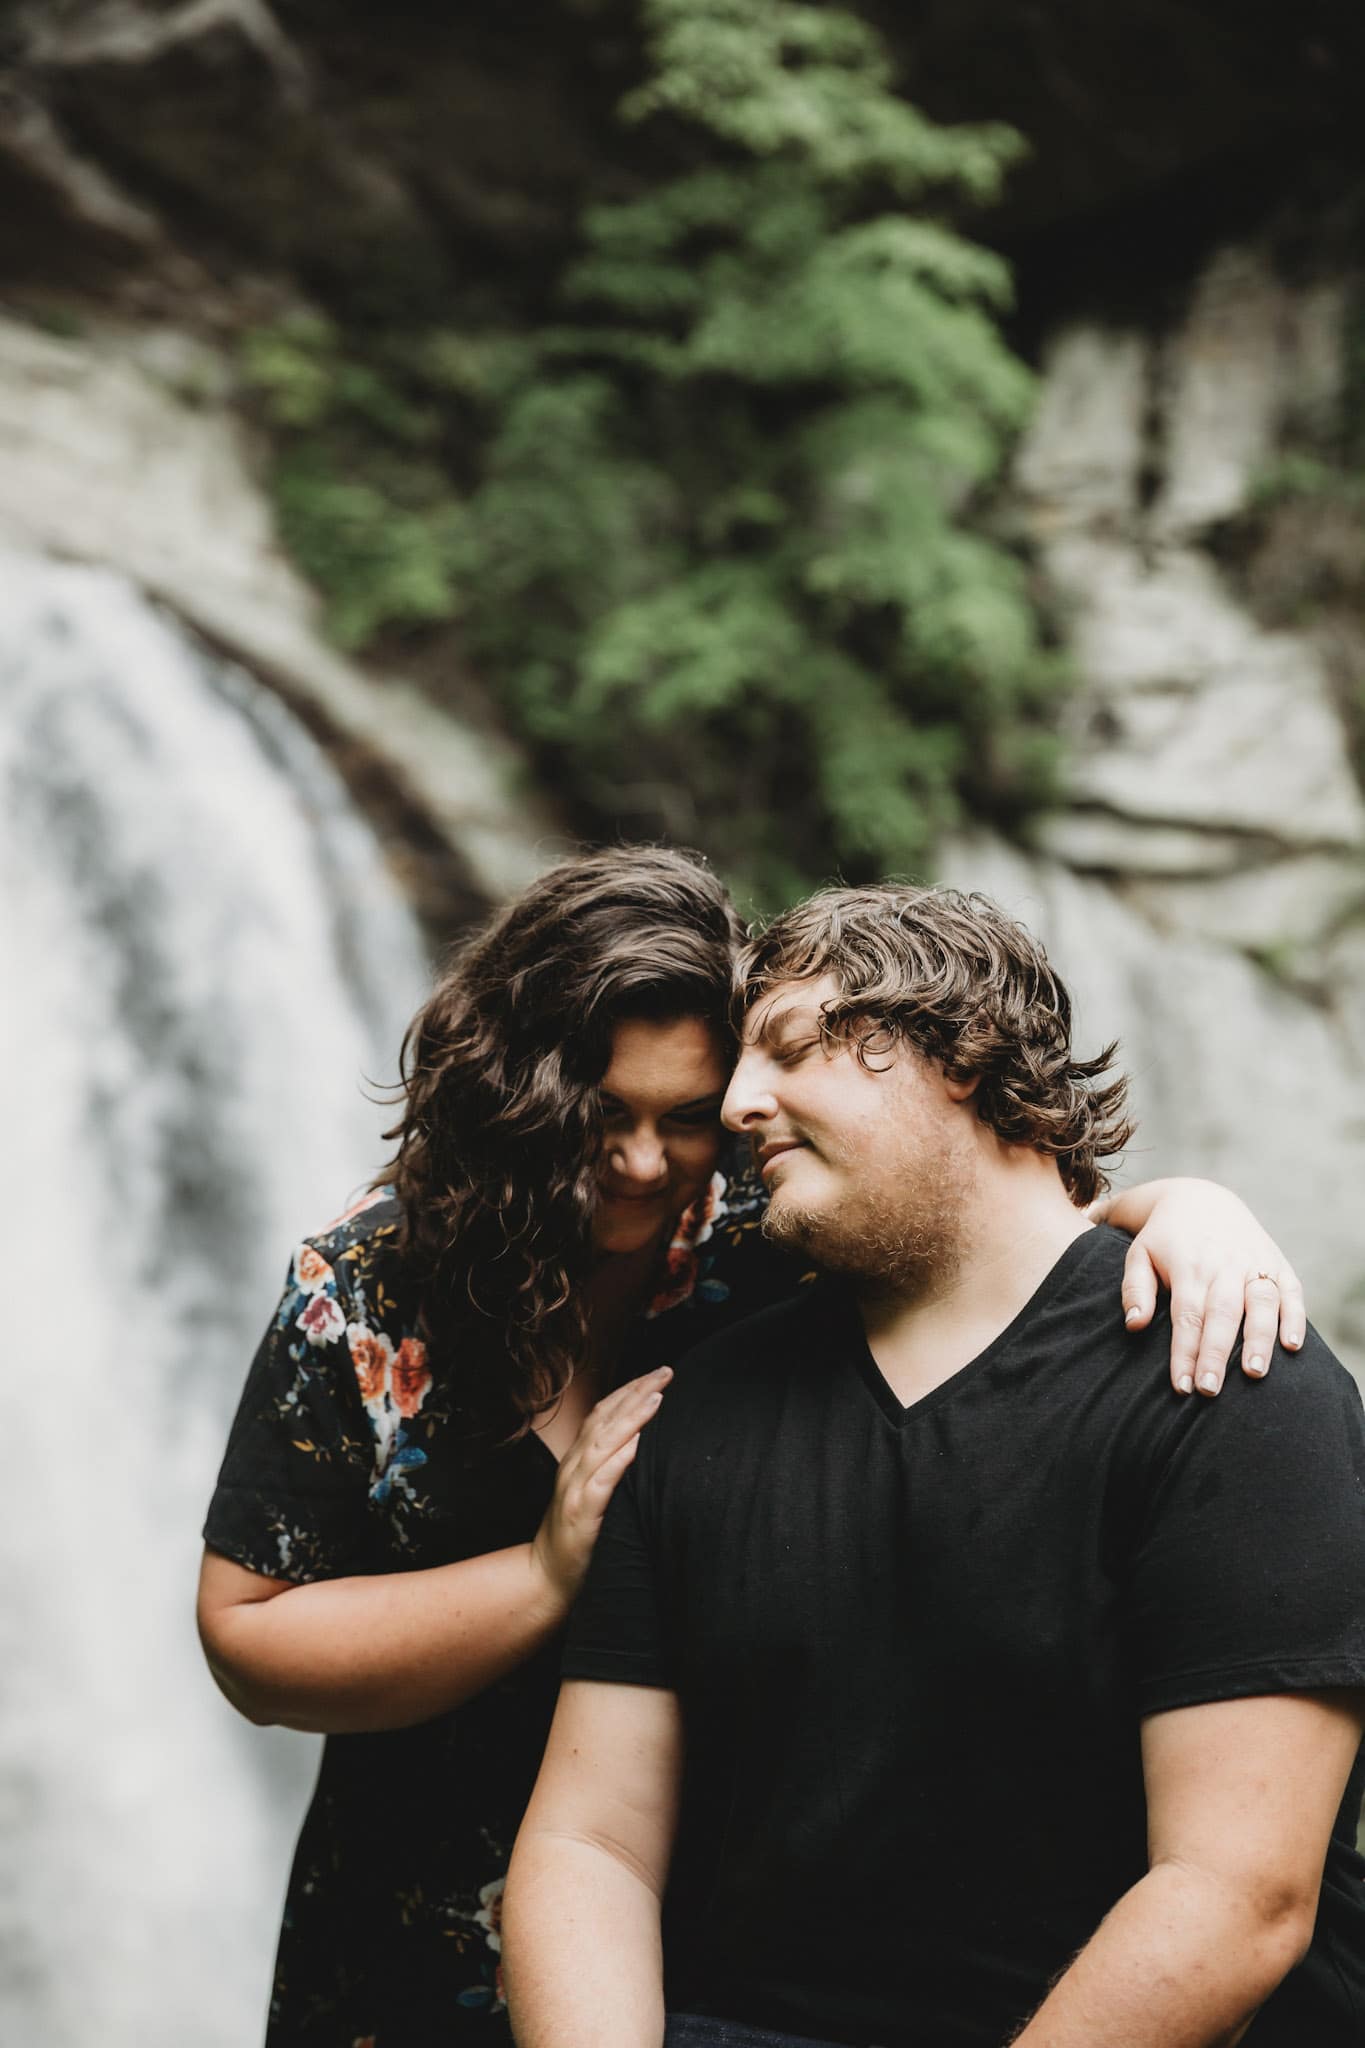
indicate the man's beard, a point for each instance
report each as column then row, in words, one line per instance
column 910, row 1242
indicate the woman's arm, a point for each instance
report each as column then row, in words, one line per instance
column 349, row 1656
column 1224, row 1273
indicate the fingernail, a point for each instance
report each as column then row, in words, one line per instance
column 1254, row 1366
column 1184, row 1385
column 1131, row 1315
column 1208, row 1381
column 1293, row 1343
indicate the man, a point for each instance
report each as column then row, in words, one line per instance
column 1007, row 1704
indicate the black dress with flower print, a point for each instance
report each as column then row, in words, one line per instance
column 348, row 1456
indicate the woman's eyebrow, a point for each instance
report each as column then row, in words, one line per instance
column 697, row 1101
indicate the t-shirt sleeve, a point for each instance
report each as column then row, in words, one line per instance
column 616, row 1631
column 292, row 1494
column 1247, row 1574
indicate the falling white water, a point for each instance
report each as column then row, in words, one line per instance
column 202, row 960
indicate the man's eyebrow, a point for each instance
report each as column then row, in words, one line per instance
column 778, row 1019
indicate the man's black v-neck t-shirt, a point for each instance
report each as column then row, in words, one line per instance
column 913, row 1647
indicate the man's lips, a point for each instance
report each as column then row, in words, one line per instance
column 775, row 1149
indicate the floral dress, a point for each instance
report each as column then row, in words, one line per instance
column 348, row 1455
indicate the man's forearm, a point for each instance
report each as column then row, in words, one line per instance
column 1183, row 1961
column 581, row 1947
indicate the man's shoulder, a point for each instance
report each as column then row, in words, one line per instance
column 1141, row 1359
column 1304, row 1391
column 1302, row 1425
column 751, row 1351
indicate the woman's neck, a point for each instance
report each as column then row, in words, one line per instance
column 619, row 1288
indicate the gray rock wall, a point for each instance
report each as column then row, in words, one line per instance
column 1203, row 887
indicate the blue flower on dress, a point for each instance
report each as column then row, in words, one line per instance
column 402, row 1456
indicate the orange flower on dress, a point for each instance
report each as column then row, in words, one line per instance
column 410, row 1376
column 311, row 1270
column 372, row 1357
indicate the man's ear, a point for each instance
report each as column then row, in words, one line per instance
column 961, row 1087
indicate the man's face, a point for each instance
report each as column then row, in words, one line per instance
column 869, row 1163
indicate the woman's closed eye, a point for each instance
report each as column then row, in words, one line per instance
column 690, row 1116
column 695, row 1119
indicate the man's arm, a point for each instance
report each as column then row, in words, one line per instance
column 1241, row 1797
column 580, row 1924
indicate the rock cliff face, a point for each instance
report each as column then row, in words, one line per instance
column 1204, row 886
column 169, row 172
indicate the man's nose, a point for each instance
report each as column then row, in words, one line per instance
column 749, row 1102
column 639, row 1155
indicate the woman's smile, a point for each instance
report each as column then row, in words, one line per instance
column 661, row 1129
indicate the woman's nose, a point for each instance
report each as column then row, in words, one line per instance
column 639, row 1155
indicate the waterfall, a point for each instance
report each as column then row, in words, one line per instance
column 202, row 960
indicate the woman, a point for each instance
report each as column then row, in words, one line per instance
column 434, row 1423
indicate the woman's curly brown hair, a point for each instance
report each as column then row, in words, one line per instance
column 501, row 1128
column 953, row 976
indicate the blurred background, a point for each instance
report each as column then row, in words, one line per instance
column 924, row 439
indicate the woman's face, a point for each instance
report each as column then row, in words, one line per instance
column 661, row 1097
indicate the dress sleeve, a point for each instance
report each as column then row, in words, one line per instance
column 291, row 1500
column 615, row 1630
column 1248, row 1569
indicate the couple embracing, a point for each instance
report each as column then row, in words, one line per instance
column 958, row 1673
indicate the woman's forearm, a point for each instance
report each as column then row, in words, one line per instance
column 1130, row 1209
column 351, row 1656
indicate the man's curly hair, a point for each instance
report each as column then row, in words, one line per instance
column 955, row 978
column 501, row 1128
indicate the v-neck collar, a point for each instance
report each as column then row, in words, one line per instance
column 851, row 1337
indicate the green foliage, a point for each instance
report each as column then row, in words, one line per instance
column 365, row 505
column 1297, row 476
column 383, row 564
column 733, row 495
column 723, row 550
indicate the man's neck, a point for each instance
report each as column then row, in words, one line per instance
column 1017, row 1225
